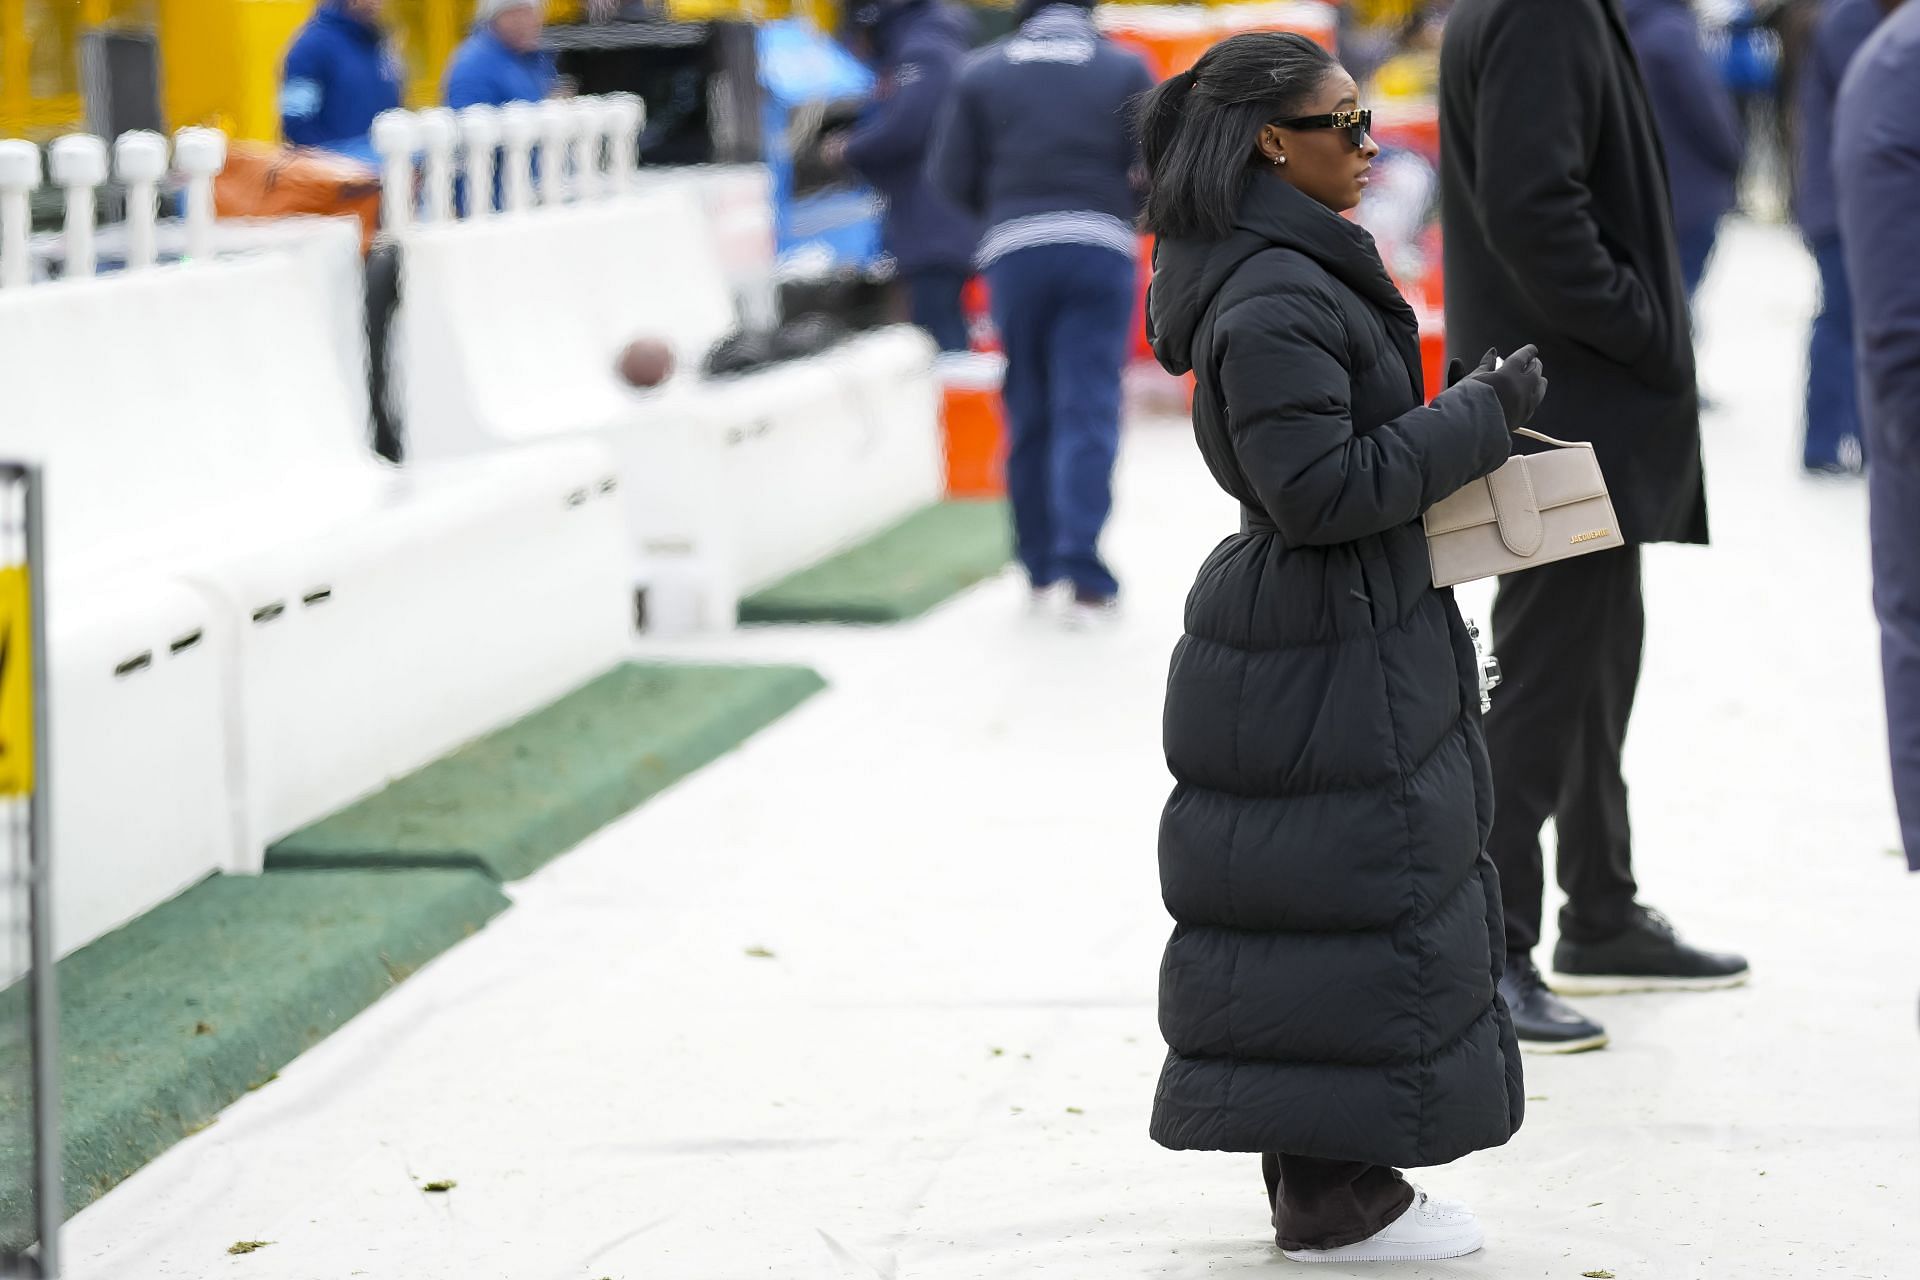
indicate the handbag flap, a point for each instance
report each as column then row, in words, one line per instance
column 1525, row 485
column 1562, row 477
column 1516, row 508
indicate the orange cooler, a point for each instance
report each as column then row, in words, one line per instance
column 974, row 423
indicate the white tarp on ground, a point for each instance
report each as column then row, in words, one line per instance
column 944, row 1070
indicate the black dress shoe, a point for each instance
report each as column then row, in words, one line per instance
column 1648, row 956
column 1543, row 1022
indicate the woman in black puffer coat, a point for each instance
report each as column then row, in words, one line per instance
column 1329, row 990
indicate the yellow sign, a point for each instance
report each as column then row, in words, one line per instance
column 16, row 682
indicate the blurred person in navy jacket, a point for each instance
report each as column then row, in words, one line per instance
column 1876, row 163
column 917, row 47
column 1039, row 141
column 1834, row 444
column 1699, row 127
column 501, row 61
column 340, row 73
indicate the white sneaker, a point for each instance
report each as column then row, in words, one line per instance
column 1090, row 615
column 1045, row 601
column 1427, row 1232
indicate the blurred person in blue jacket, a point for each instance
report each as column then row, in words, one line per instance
column 501, row 61
column 1699, row 126
column 339, row 74
column 1876, row 162
column 916, row 47
column 1039, row 141
column 1834, row 444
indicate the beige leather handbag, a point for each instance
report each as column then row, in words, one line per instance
column 1536, row 509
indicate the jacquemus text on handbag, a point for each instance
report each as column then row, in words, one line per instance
column 1536, row 509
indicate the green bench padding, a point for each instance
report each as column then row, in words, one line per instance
column 516, row 799
column 899, row 573
column 165, row 1021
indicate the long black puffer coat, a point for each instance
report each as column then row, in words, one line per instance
column 1329, row 989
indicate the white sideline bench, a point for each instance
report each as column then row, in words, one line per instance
column 141, row 753
column 207, row 469
column 741, row 481
column 508, row 331
column 736, row 209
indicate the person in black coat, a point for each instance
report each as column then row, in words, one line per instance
column 1557, row 227
column 1329, row 992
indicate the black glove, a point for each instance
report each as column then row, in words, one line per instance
column 1456, row 371
column 1521, row 384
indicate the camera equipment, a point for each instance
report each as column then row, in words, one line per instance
column 1488, row 666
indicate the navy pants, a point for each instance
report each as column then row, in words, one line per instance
column 1833, row 395
column 934, row 303
column 1064, row 313
column 1893, row 496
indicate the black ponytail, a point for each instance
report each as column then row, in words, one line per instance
column 1158, row 117
column 1198, row 129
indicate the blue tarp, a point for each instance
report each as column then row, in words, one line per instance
column 840, row 228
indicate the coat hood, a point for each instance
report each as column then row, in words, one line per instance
column 336, row 13
column 893, row 26
column 954, row 23
column 1189, row 274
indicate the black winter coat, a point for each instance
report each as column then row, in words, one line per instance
column 1329, row 989
column 1558, row 231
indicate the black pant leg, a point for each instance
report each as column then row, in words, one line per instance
column 1327, row 1204
column 1595, row 837
column 1568, row 638
column 1526, row 739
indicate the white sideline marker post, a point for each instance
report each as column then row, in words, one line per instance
column 556, row 136
column 439, row 134
column 480, row 134
column 396, row 136
column 78, row 163
column 19, row 178
column 520, row 126
column 626, row 117
column 140, row 161
column 589, row 177
column 200, row 154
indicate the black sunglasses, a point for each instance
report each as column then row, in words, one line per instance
column 1358, row 124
